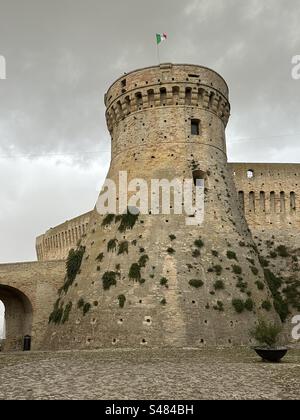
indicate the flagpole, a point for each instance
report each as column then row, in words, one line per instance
column 158, row 55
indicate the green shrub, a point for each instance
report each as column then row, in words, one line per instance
column 143, row 260
column 196, row 283
column 199, row 243
column 273, row 254
column 163, row 302
column 275, row 283
column 108, row 219
column 249, row 305
column 260, row 285
column 142, row 281
column 123, row 248
column 251, row 261
column 218, row 269
column 196, row 253
column 112, row 245
column 128, row 221
column 219, row 285
column 80, row 303
column 267, row 305
column 263, row 262
column 56, row 316
column 86, row 308
column 254, row 270
column 266, row 334
column 237, row 269
column 172, row 237
column 109, row 279
column 164, row 281
column 122, row 300
column 100, row 257
column 215, row 253
column 238, row 305
column 231, row 255
column 219, row 307
column 242, row 285
column 171, row 251
column 135, row 272
column 57, row 313
column 242, row 244
column 66, row 314
column 73, row 265
column 292, row 294
column 282, row 251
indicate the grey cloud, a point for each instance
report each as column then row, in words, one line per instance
column 62, row 56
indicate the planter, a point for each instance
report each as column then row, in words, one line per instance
column 273, row 355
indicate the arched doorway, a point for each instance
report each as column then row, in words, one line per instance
column 18, row 317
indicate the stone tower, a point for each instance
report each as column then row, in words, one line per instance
column 153, row 280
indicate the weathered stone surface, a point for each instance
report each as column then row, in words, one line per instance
column 148, row 375
column 28, row 291
column 149, row 117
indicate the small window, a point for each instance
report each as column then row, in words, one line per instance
column 195, row 127
column 250, row 174
column 123, row 82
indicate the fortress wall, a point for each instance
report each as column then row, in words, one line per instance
column 269, row 194
column 28, row 291
column 56, row 242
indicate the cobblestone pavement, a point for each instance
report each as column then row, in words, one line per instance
column 148, row 374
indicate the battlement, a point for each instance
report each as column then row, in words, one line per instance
column 56, row 243
column 268, row 194
column 164, row 86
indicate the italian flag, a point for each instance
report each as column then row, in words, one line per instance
column 160, row 38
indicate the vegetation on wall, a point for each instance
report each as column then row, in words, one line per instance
column 275, row 283
column 196, row 283
column 122, row 300
column 199, row 243
column 66, row 313
column 237, row 269
column 112, row 245
column 219, row 285
column 127, row 221
column 231, row 255
column 143, row 261
column 57, row 313
column 109, row 279
column 100, row 257
column 86, row 308
column 164, row 281
column 108, row 220
column 238, row 305
column 135, row 272
column 123, row 248
column 219, row 306
column 282, row 251
column 73, row 265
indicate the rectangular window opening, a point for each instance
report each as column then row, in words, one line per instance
column 195, row 127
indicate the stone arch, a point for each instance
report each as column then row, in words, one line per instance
column 18, row 317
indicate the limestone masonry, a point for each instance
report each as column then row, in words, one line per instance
column 151, row 280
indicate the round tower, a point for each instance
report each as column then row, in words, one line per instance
column 154, row 279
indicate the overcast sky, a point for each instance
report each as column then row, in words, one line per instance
column 63, row 54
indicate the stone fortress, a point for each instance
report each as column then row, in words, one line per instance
column 151, row 280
